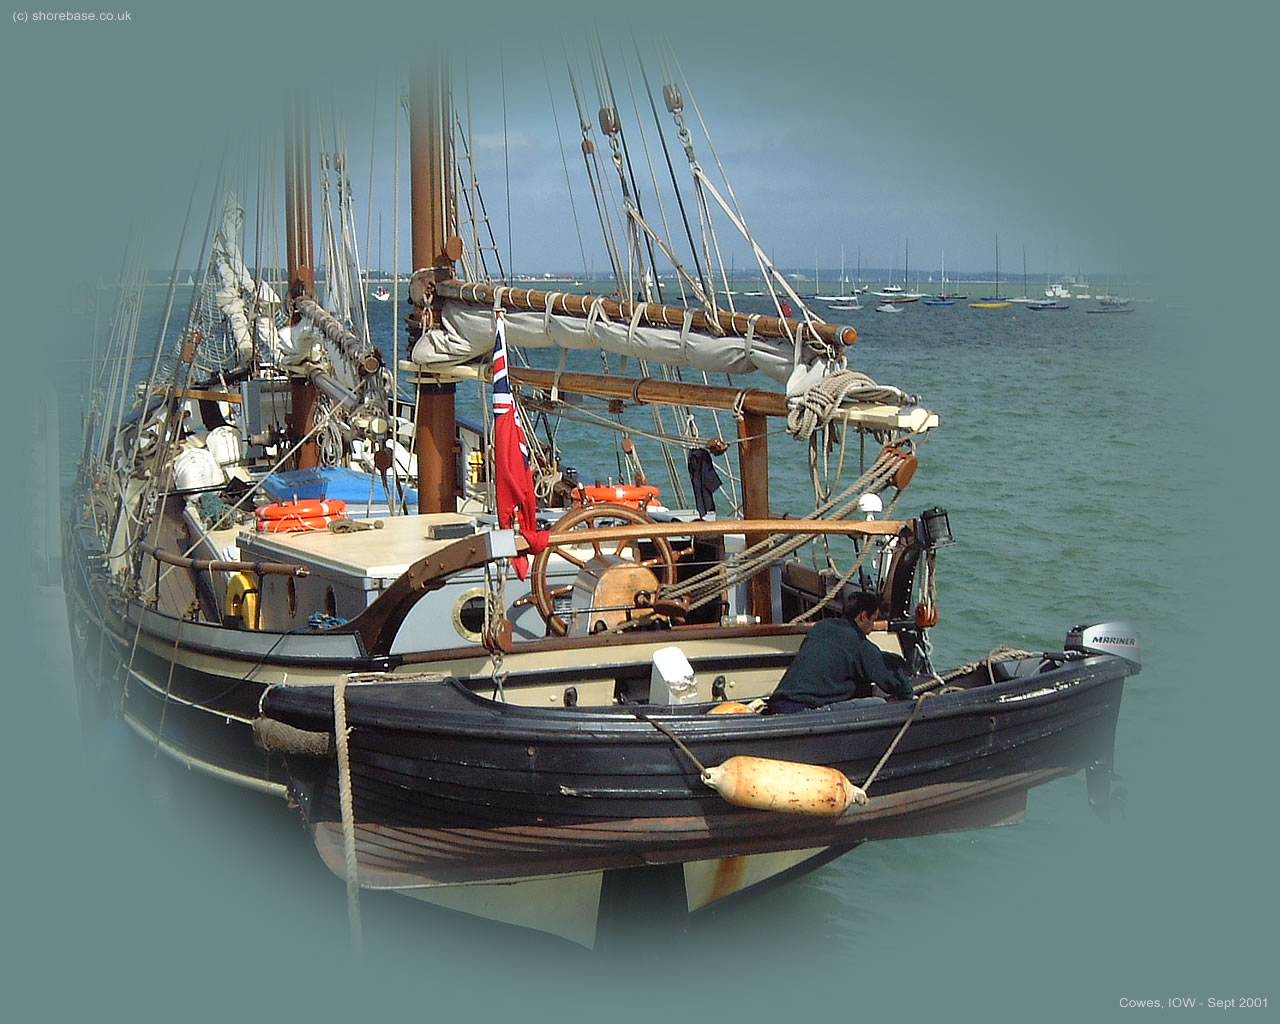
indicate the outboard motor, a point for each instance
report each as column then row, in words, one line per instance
column 1118, row 638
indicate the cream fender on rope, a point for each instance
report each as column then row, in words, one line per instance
column 785, row 786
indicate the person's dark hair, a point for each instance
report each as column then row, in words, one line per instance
column 863, row 601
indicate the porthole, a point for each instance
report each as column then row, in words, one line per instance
column 468, row 614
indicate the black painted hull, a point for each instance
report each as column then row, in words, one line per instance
column 198, row 717
column 449, row 787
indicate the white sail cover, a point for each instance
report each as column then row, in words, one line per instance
column 234, row 287
column 468, row 335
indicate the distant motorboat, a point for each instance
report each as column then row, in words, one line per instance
column 381, row 293
column 1048, row 305
column 888, row 307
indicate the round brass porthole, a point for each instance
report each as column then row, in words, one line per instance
column 468, row 614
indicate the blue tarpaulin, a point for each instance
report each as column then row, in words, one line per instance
column 329, row 482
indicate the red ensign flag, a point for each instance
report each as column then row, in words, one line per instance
column 517, row 503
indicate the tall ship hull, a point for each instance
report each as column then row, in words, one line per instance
column 483, row 680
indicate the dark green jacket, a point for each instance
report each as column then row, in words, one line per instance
column 836, row 661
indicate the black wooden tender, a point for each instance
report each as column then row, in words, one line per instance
column 450, row 786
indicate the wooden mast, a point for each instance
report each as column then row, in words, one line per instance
column 435, row 251
column 753, row 470
column 300, row 255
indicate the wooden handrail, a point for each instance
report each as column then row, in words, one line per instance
column 217, row 565
column 195, row 394
column 702, row 528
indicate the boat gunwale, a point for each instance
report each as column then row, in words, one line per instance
column 477, row 715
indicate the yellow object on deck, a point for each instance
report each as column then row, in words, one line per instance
column 242, row 600
column 784, row 786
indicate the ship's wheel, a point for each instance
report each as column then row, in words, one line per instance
column 617, row 581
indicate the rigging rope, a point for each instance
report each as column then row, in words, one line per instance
column 708, row 585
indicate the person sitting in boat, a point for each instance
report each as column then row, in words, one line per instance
column 837, row 661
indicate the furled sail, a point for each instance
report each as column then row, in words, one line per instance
column 676, row 336
column 249, row 306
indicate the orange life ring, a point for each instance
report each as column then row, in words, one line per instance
column 296, row 524
column 310, row 509
column 639, row 495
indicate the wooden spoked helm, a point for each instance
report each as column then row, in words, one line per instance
column 618, row 580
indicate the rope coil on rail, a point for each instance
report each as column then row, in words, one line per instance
column 817, row 406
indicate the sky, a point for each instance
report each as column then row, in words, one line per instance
column 930, row 131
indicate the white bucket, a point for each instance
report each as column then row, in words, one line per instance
column 224, row 443
column 195, row 469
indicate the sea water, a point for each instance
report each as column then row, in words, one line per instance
column 1079, row 488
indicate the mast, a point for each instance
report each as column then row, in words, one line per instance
column 997, row 266
column 753, row 469
column 300, row 248
column 435, row 252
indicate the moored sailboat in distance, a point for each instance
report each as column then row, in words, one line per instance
column 897, row 293
column 842, row 302
column 943, row 298
column 1024, row 298
column 486, row 679
column 993, row 301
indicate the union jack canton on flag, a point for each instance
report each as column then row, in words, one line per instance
column 513, row 481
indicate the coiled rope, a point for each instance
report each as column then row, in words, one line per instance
column 817, row 405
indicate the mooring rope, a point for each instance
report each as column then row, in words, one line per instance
column 859, row 792
column 894, row 745
column 340, row 734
